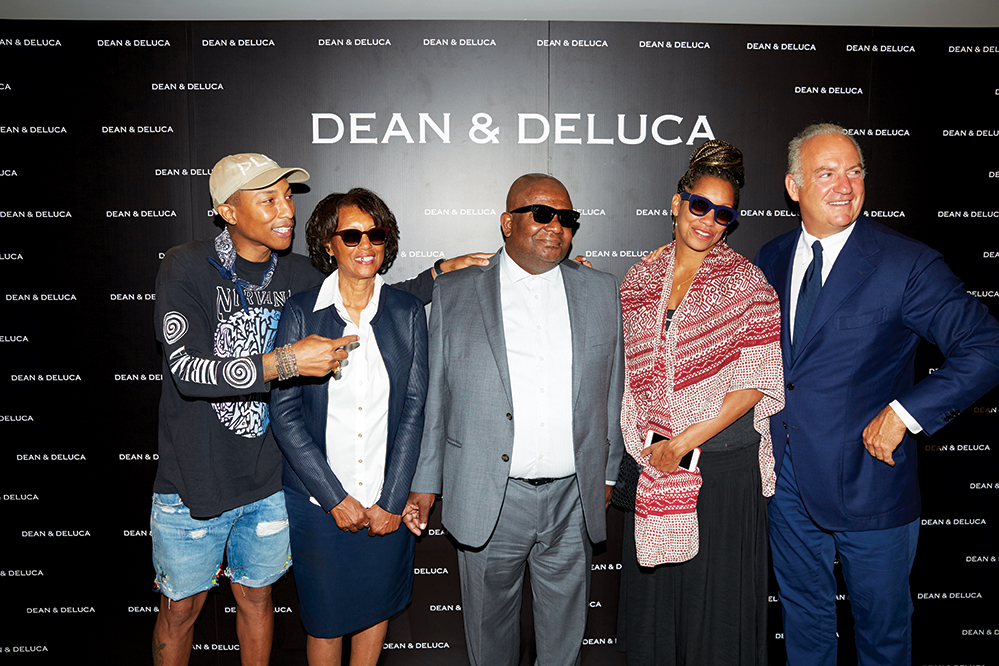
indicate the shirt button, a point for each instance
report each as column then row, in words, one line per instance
column 509, row 416
column 505, row 458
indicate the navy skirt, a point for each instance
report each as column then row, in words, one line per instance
column 347, row 581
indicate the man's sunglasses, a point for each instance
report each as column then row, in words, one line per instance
column 543, row 214
column 699, row 206
column 352, row 237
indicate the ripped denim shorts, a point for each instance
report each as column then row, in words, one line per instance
column 187, row 552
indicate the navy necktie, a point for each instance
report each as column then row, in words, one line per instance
column 811, row 284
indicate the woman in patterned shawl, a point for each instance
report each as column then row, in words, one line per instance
column 703, row 368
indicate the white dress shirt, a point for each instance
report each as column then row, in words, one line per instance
column 357, row 413
column 539, row 354
column 831, row 247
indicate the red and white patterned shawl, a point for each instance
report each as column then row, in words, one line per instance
column 725, row 336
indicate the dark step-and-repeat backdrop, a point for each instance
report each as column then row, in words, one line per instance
column 109, row 130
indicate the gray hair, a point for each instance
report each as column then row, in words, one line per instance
column 794, row 168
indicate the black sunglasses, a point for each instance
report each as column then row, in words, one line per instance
column 543, row 214
column 700, row 207
column 352, row 237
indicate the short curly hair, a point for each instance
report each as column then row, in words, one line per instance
column 323, row 223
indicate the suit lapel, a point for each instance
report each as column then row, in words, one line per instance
column 780, row 268
column 576, row 299
column 855, row 264
column 487, row 284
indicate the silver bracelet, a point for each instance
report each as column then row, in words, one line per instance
column 285, row 362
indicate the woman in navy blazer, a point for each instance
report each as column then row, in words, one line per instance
column 351, row 440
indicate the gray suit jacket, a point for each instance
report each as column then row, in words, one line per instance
column 469, row 426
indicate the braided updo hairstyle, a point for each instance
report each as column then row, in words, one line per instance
column 715, row 158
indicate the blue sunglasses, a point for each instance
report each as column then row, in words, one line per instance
column 699, row 206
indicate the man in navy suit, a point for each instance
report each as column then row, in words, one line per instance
column 856, row 297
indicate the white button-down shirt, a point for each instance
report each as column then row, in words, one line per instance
column 831, row 247
column 539, row 354
column 357, row 414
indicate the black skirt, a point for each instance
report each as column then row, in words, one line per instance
column 712, row 609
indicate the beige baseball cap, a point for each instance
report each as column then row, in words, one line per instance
column 248, row 171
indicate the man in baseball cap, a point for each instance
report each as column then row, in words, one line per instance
column 218, row 508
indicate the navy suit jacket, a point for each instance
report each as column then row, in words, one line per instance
column 884, row 293
column 299, row 406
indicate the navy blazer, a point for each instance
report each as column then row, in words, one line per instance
column 299, row 406
column 884, row 293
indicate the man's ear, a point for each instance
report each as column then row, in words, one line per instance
column 227, row 212
column 506, row 224
column 791, row 186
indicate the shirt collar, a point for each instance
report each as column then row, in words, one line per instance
column 831, row 245
column 329, row 294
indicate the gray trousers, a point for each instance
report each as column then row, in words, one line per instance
column 541, row 527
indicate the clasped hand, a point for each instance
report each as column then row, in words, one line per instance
column 350, row 516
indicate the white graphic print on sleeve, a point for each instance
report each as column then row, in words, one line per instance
column 174, row 327
column 239, row 373
column 189, row 369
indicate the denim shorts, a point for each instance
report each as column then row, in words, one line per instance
column 187, row 552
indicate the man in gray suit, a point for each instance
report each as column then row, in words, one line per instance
column 522, row 435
